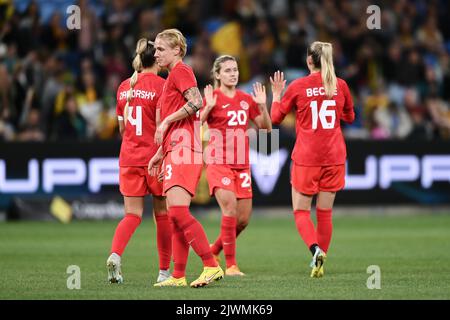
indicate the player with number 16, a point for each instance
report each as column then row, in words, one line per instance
column 320, row 101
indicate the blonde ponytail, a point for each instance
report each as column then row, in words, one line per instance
column 322, row 55
column 137, row 66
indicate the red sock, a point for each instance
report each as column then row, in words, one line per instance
column 193, row 233
column 324, row 228
column 124, row 231
column 217, row 246
column 163, row 240
column 180, row 249
column 305, row 227
column 228, row 235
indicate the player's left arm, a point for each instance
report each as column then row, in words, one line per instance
column 193, row 104
column 119, row 113
column 121, row 127
column 158, row 117
column 348, row 112
column 259, row 96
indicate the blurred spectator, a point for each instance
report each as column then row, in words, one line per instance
column 70, row 124
column 88, row 100
column 31, row 130
column 439, row 111
column 394, row 120
column 399, row 75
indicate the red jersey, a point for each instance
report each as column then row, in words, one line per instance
column 230, row 119
column 180, row 133
column 138, row 145
column 319, row 141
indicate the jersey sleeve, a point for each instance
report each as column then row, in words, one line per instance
column 184, row 79
column 159, row 91
column 280, row 109
column 348, row 113
column 120, row 103
column 289, row 99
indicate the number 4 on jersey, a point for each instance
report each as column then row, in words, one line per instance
column 323, row 114
column 136, row 121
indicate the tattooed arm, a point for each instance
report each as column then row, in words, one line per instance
column 193, row 104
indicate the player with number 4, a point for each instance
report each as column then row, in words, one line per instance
column 227, row 112
column 320, row 101
column 137, row 98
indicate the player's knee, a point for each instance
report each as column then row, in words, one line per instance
column 229, row 210
column 159, row 205
column 242, row 223
column 229, row 206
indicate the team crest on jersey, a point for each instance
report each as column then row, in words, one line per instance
column 244, row 105
column 226, row 181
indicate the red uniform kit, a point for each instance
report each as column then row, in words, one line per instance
column 181, row 142
column 319, row 153
column 227, row 154
column 138, row 146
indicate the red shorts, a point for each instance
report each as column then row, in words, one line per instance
column 237, row 180
column 136, row 182
column 185, row 175
column 311, row 180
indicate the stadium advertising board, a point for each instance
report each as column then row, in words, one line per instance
column 377, row 173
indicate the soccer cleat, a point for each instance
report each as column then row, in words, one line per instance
column 317, row 263
column 163, row 275
column 234, row 271
column 216, row 257
column 208, row 275
column 172, row 282
column 114, row 271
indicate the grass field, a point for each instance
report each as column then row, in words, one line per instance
column 413, row 253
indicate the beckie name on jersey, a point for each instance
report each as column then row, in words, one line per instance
column 138, row 94
column 315, row 92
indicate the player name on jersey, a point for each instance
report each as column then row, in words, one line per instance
column 149, row 95
column 315, row 92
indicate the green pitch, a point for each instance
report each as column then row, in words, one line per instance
column 413, row 253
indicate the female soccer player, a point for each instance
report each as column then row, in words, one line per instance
column 179, row 137
column 228, row 111
column 320, row 100
column 137, row 98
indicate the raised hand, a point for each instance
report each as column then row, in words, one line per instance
column 259, row 93
column 278, row 83
column 210, row 97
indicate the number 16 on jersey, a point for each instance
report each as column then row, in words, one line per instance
column 323, row 114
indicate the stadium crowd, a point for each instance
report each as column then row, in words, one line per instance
column 57, row 83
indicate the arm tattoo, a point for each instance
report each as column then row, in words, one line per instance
column 194, row 99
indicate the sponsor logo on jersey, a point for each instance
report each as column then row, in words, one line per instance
column 225, row 106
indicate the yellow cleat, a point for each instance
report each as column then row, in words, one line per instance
column 320, row 273
column 172, row 282
column 234, row 271
column 208, row 275
column 317, row 264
